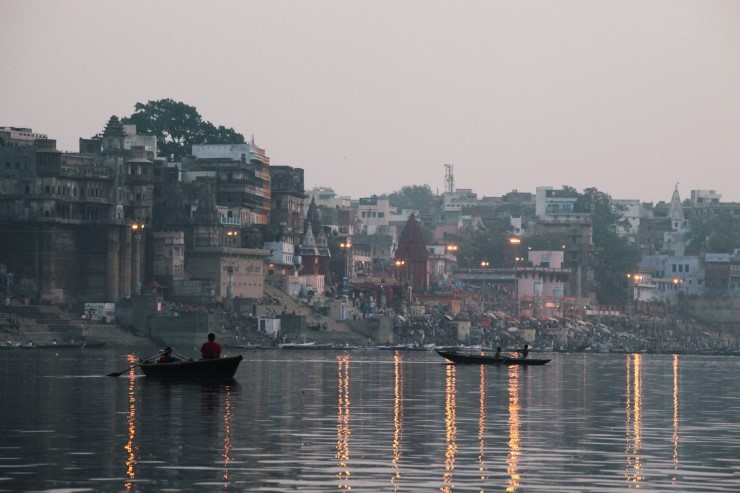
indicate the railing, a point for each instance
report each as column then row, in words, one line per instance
column 230, row 221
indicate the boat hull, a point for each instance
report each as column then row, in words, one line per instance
column 482, row 359
column 306, row 346
column 219, row 368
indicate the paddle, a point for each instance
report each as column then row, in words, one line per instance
column 118, row 374
column 183, row 357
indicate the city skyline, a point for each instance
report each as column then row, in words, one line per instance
column 368, row 98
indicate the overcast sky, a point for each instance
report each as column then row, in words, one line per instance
column 630, row 97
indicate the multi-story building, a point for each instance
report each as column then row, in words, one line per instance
column 373, row 213
column 242, row 176
column 66, row 218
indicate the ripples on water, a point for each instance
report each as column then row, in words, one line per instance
column 371, row 421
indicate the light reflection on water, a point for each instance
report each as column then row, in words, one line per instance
column 372, row 421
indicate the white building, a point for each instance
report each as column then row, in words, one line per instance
column 372, row 214
column 668, row 275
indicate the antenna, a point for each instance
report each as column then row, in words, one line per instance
column 449, row 179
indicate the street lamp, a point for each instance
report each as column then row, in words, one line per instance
column 515, row 241
column 231, row 236
column 677, row 282
column 137, row 231
column 635, row 280
column 346, row 246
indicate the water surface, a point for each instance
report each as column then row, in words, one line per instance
column 371, row 421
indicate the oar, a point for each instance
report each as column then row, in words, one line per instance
column 183, row 357
column 118, row 374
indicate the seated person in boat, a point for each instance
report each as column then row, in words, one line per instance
column 524, row 352
column 167, row 356
column 497, row 355
column 210, row 349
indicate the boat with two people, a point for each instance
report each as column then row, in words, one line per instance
column 187, row 368
column 459, row 357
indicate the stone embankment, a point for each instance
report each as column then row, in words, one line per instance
column 43, row 325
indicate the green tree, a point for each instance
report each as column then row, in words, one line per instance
column 616, row 257
column 419, row 197
column 718, row 233
column 489, row 242
column 177, row 126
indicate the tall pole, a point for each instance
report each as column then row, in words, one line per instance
column 515, row 241
column 231, row 236
column 138, row 230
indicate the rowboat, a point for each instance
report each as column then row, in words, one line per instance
column 305, row 345
column 485, row 359
column 217, row 368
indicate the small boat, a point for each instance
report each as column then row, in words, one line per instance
column 403, row 347
column 217, row 368
column 305, row 345
column 485, row 359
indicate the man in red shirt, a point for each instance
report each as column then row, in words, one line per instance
column 210, row 349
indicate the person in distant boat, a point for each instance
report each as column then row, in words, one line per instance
column 167, row 356
column 524, row 352
column 497, row 355
column 210, row 349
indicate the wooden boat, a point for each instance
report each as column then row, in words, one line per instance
column 218, row 368
column 486, row 359
column 305, row 345
column 402, row 347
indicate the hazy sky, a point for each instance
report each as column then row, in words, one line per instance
column 631, row 97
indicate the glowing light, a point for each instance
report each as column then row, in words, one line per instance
column 675, row 416
column 633, row 421
column 130, row 447
column 343, row 429
column 397, row 418
column 451, row 428
column 515, row 424
column 227, row 435
column 482, row 425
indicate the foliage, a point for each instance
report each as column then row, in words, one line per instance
column 616, row 257
column 177, row 126
column 718, row 233
column 417, row 197
column 489, row 243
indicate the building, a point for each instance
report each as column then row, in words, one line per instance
column 66, row 218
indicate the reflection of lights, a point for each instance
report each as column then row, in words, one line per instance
column 131, row 419
column 227, row 434
column 514, row 425
column 397, row 415
column 675, row 415
column 634, row 421
column 450, row 427
column 343, row 430
column 482, row 425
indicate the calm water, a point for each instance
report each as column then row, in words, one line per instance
column 371, row 421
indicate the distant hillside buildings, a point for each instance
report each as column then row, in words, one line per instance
column 113, row 219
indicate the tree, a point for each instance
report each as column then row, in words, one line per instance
column 489, row 242
column 417, row 197
column 718, row 233
column 616, row 255
column 177, row 126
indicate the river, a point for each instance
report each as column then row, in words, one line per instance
column 370, row 421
